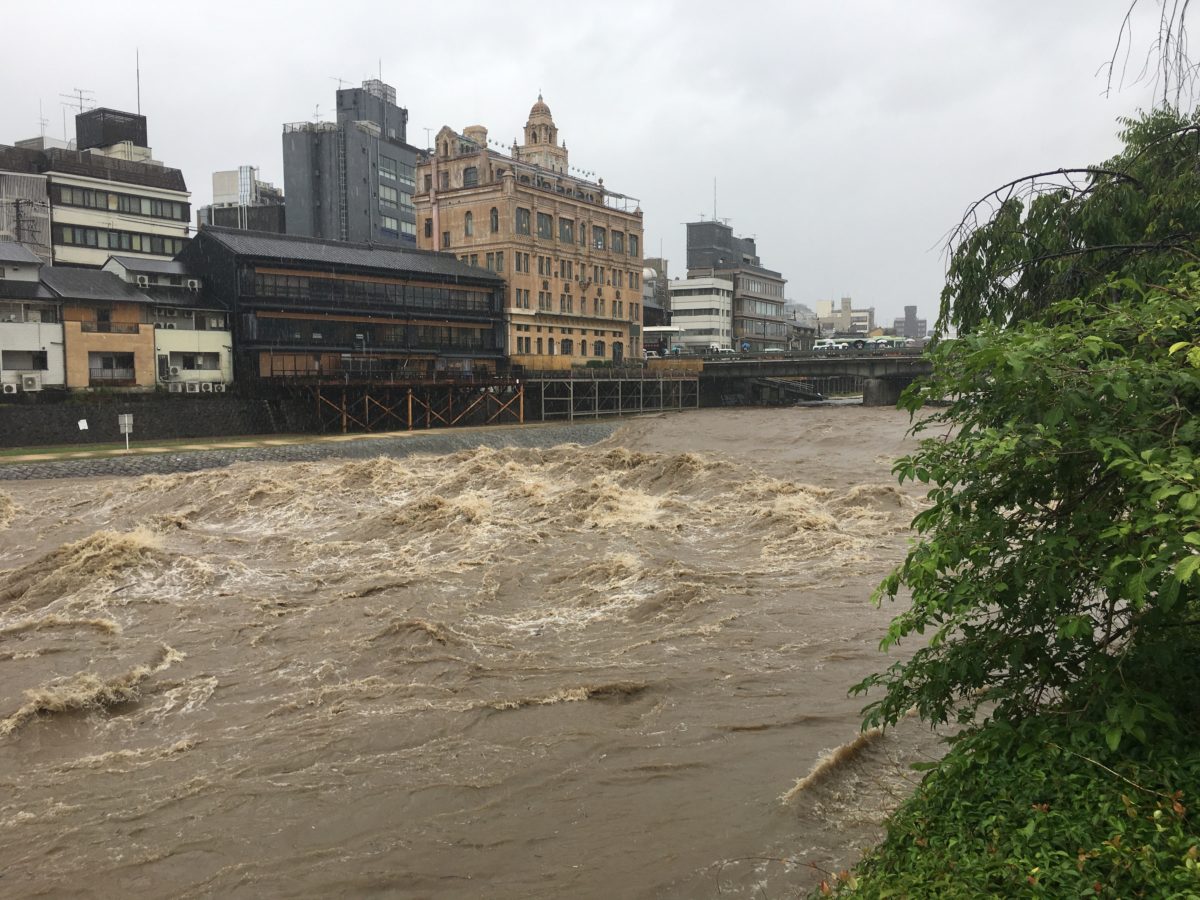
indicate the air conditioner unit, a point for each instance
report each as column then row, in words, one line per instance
column 219, row 388
column 170, row 325
column 191, row 388
column 193, row 284
column 175, row 387
column 33, row 315
column 10, row 388
column 31, row 382
column 206, row 387
column 143, row 280
column 174, row 370
column 171, row 311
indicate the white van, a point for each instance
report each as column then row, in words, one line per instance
column 829, row 344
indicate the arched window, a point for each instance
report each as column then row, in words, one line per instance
column 567, row 347
column 599, row 347
column 469, row 224
column 550, row 346
column 583, row 348
column 495, row 217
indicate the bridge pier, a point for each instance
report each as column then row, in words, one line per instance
column 882, row 391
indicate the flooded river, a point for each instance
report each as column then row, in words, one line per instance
column 577, row 671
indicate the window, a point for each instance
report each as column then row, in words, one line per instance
column 522, row 221
column 545, row 226
column 443, row 180
column 475, row 259
column 445, row 239
column 495, row 220
column 391, row 224
column 633, row 245
column 428, row 182
column 566, row 231
column 599, row 237
column 387, row 168
column 429, row 228
column 566, row 269
column 470, row 176
column 491, row 262
column 469, row 224
column 618, row 242
column 500, row 261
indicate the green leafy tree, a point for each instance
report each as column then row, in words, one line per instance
column 1059, row 552
column 1056, row 235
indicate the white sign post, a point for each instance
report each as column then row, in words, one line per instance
column 125, row 423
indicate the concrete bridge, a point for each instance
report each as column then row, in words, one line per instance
column 883, row 374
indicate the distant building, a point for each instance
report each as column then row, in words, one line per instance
column 702, row 311
column 353, row 179
column 910, row 326
column 844, row 318
column 31, row 331
column 569, row 248
column 656, row 293
column 106, row 194
column 193, row 350
column 241, row 200
column 25, row 211
column 319, row 310
column 757, row 317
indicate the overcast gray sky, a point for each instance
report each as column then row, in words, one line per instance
column 847, row 137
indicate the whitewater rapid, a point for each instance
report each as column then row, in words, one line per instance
column 586, row 671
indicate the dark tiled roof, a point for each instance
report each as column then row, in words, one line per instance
column 164, row 295
column 310, row 251
column 11, row 289
column 90, row 284
column 151, row 266
column 12, row 252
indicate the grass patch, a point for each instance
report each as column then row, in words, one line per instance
column 1045, row 809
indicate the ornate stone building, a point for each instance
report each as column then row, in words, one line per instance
column 569, row 249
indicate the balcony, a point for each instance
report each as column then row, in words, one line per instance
column 107, row 328
column 111, row 378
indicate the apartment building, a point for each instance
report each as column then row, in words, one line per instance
column 568, row 248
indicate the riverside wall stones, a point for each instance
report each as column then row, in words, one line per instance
column 443, row 441
column 46, row 422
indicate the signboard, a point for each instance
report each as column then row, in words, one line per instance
column 125, row 423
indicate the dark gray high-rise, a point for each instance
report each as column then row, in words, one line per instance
column 758, row 322
column 353, row 179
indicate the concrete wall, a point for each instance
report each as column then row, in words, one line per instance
column 28, row 423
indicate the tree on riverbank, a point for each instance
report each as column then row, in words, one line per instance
column 1056, row 575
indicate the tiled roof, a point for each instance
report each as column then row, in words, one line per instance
column 11, row 289
column 292, row 248
column 12, row 252
column 90, row 284
column 152, row 266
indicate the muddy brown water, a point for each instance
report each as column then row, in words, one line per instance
column 577, row 671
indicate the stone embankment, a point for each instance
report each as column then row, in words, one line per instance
column 362, row 447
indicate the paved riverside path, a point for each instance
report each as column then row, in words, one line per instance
column 148, row 461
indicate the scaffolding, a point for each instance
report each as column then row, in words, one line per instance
column 574, row 398
column 373, row 408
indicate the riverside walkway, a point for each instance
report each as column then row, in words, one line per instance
column 151, row 459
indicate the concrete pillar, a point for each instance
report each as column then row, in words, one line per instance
column 881, row 391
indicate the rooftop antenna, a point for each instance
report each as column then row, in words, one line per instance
column 42, row 120
column 317, row 113
column 340, row 81
column 428, row 139
column 137, row 56
column 715, row 200
column 79, row 97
